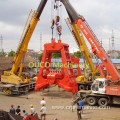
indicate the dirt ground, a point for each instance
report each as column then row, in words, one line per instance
column 58, row 105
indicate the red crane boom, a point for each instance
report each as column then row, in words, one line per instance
column 92, row 39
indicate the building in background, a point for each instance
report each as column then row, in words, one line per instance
column 6, row 64
column 113, row 54
column 32, row 54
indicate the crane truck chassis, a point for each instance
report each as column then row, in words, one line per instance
column 98, row 94
column 14, row 82
column 12, row 89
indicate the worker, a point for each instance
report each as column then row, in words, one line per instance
column 33, row 113
column 32, row 109
column 81, row 103
column 43, row 112
column 79, row 109
column 25, row 113
column 43, row 102
column 12, row 109
column 18, row 110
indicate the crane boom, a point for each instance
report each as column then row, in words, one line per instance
column 83, row 81
column 22, row 48
column 92, row 39
column 77, row 34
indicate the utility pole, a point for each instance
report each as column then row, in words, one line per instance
column 112, row 41
column 101, row 42
column 1, row 44
column 41, row 42
column 109, row 45
column 109, row 48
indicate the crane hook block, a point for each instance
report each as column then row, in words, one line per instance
column 63, row 76
column 57, row 19
column 52, row 24
column 59, row 28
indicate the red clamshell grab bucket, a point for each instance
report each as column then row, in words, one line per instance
column 41, row 83
column 64, row 78
column 67, row 83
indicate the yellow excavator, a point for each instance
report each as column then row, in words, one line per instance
column 84, row 81
column 14, row 81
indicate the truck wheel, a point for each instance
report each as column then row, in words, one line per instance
column 103, row 102
column 81, row 87
column 91, row 101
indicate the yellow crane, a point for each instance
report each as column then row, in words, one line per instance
column 85, row 80
column 14, row 82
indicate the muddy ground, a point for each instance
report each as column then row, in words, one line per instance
column 58, row 105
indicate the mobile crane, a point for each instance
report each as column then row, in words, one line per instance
column 103, row 91
column 14, row 82
column 83, row 81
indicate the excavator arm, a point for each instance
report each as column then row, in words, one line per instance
column 92, row 39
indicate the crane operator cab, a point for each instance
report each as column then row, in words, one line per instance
column 99, row 85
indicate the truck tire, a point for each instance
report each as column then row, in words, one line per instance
column 103, row 102
column 91, row 101
column 81, row 87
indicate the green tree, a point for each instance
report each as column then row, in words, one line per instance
column 77, row 54
column 56, row 55
column 40, row 56
column 118, row 57
column 1, row 55
column 11, row 53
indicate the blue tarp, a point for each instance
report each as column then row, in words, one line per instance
column 115, row 61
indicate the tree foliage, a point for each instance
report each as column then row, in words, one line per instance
column 118, row 57
column 11, row 53
column 77, row 54
column 56, row 55
column 40, row 56
column 1, row 55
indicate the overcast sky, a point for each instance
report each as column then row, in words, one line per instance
column 103, row 16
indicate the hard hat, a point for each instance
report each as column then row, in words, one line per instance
column 12, row 105
column 42, row 98
column 31, row 105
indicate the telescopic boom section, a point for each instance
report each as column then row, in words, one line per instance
column 92, row 39
column 77, row 34
column 22, row 48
